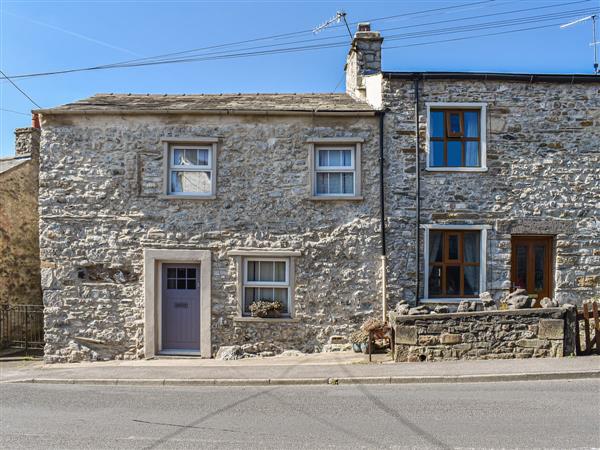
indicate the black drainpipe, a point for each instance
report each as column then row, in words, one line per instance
column 382, row 218
column 418, row 193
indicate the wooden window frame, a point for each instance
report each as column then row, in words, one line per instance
column 427, row 297
column 447, row 108
column 460, row 262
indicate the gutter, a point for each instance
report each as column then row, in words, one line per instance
column 218, row 112
column 524, row 77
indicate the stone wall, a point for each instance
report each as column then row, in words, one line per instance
column 526, row 333
column 100, row 206
column 543, row 177
column 19, row 249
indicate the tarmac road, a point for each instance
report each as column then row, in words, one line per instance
column 540, row 414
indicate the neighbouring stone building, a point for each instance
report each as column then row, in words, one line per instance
column 19, row 233
column 163, row 218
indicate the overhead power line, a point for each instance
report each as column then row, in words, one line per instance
column 14, row 112
column 19, row 89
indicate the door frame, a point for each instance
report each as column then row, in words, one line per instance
column 153, row 261
column 548, row 239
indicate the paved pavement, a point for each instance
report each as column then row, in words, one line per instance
column 548, row 414
column 318, row 369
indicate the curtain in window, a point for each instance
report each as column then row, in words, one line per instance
column 471, row 254
column 435, row 246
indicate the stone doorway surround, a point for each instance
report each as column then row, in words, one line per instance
column 153, row 260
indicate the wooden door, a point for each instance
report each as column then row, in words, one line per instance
column 532, row 266
column 181, row 307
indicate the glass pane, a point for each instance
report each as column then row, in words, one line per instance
column 521, row 269
column 471, row 280
column 539, row 253
column 191, row 182
column 180, row 273
column 454, row 153
column 453, row 280
column 181, row 284
column 322, row 183
column 265, row 294
column 453, row 246
column 281, row 294
column 437, row 124
column 471, row 125
column 171, row 272
column 335, row 158
column 191, row 273
column 249, row 297
column 251, row 268
column 185, row 157
column 347, row 158
column 454, row 123
column 435, row 280
column 265, row 271
column 348, row 180
column 323, row 157
column 171, row 284
column 436, row 157
column 203, row 157
column 280, row 271
column 191, row 284
column 472, row 154
column 335, row 183
column 471, row 248
column 435, row 246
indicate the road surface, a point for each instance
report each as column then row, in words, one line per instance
column 557, row 414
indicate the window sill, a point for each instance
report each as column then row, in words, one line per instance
column 187, row 197
column 266, row 319
column 456, row 169
column 340, row 198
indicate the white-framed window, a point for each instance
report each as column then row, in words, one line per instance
column 335, row 171
column 455, row 262
column 335, row 168
column 190, row 167
column 456, row 137
column 266, row 279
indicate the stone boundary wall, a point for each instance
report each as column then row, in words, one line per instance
column 526, row 333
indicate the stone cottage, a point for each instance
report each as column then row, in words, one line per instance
column 19, row 233
column 163, row 218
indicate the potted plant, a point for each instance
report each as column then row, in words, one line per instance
column 358, row 339
column 379, row 331
column 266, row 308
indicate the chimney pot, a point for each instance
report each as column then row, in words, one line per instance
column 35, row 121
column 364, row 26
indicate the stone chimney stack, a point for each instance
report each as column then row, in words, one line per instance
column 363, row 60
column 27, row 140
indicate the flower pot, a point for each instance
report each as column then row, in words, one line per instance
column 356, row 348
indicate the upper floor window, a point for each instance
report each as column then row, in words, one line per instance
column 335, row 171
column 190, row 169
column 456, row 136
column 335, row 168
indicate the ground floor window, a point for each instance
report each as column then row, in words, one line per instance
column 266, row 280
column 454, row 260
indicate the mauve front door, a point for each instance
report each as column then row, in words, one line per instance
column 181, row 307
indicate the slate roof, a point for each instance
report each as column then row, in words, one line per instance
column 9, row 163
column 158, row 103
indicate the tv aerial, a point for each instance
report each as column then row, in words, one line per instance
column 594, row 42
column 339, row 16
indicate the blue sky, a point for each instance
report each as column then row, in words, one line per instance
column 40, row 36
